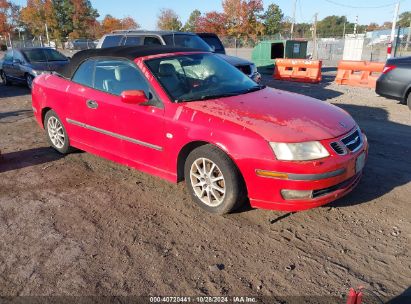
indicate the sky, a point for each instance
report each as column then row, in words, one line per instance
column 145, row 12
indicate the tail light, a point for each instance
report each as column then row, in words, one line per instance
column 388, row 68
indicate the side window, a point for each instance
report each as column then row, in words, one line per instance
column 84, row 74
column 18, row 56
column 112, row 40
column 152, row 41
column 132, row 40
column 116, row 76
column 8, row 57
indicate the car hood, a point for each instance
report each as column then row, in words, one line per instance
column 47, row 66
column 279, row 116
column 234, row 60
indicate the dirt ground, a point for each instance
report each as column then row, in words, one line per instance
column 82, row 225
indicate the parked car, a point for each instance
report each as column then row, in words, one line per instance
column 186, row 115
column 213, row 41
column 395, row 80
column 177, row 39
column 81, row 44
column 23, row 65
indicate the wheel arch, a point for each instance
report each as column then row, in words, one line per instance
column 407, row 93
column 189, row 147
column 43, row 114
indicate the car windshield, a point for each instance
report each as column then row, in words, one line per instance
column 200, row 77
column 187, row 41
column 43, row 55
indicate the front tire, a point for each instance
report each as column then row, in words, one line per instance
column 213, row 180
column 409, row 100
column 56, row 133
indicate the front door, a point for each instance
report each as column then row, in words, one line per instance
column 134, row 132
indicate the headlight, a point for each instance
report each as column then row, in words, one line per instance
column 309, row 150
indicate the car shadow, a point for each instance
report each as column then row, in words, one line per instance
column 14, row 90
column 16, row 114
column 27, row 158
column 389, row 164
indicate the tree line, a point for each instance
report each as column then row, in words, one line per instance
column 248, row 19
column 69, row 19
column 60, row 19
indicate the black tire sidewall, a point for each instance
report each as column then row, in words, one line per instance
column 409, row 101
column 66, row 147
column 235, row 190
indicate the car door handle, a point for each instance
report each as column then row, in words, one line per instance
column 92, row 104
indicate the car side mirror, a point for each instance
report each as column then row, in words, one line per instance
column 213, row 48
column 134, row 97
column 17, row 61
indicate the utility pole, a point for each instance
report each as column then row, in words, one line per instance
column 293, row 21
column 355, row 25
column 394, row 25
column 47, row 34
column 315, row 51
column 345, row 24
column 408, row 37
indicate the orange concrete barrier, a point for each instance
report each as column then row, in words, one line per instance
column 359, row 73
column 300, row 70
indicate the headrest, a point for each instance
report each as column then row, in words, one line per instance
column 166, row 69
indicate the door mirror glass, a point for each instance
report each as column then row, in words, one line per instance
column 134, row 97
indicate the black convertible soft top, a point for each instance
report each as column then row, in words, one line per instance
column 127, row 52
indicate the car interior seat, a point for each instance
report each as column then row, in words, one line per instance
column 170, row 79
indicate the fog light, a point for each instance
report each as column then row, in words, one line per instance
column 296, row 194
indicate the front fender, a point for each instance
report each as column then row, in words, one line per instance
column 184, row 126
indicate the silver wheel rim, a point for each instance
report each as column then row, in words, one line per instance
column 3, row 77
column 56, row 133
column 29, row 81
column 208, row 182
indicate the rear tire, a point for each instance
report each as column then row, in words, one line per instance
column 213, row 180
column 56, row 133
column 409, row 100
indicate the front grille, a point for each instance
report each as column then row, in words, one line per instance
column 246, row 69
column 338, row 148
column 325, row 191
column 353, row 141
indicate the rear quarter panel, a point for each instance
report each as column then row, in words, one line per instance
column 50, row 92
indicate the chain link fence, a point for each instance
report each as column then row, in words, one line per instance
column 329, row 50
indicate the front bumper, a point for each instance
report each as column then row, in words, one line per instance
column 328, row 179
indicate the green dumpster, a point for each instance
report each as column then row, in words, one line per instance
column 266, row 52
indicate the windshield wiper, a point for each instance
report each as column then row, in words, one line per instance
column 253, row 89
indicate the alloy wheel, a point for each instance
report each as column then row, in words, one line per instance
column 29, row 81
column 56, row 133
column 3, row 77
column 208, row 182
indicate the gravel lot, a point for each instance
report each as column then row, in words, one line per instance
column 82, row 225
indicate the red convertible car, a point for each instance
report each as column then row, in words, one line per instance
column 184, row 114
